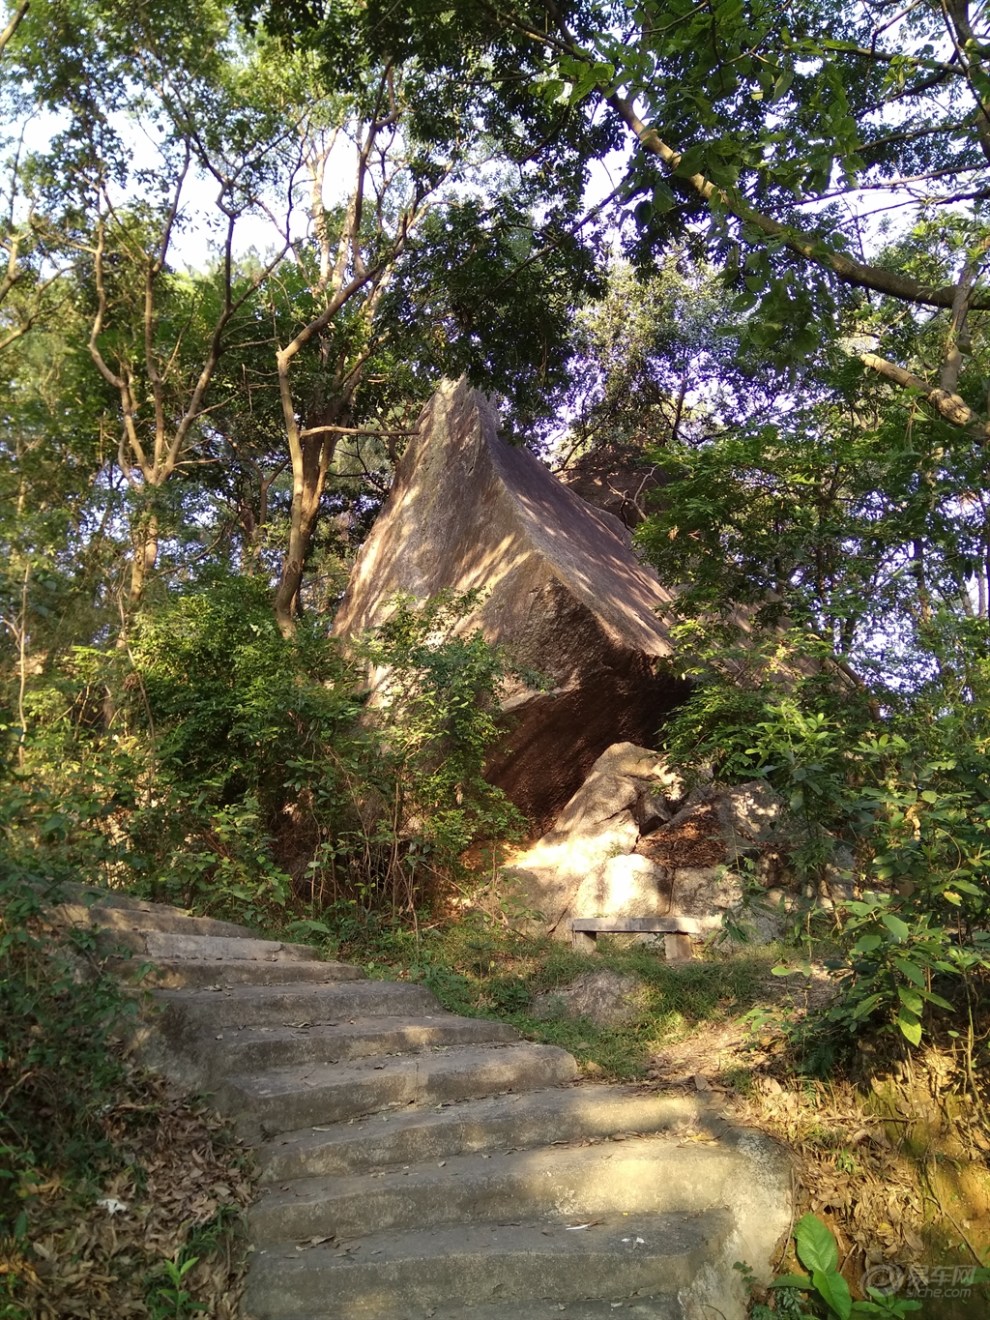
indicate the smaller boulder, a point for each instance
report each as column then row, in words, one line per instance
column 583, row 867
column 606, row 998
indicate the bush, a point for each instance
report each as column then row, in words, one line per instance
column 60, row 1062
column 904, row 785
column 219, row 765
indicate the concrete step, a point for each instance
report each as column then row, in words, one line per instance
column 500, row 1123
column 640, row 1308
column 139, row 916
column 420, row 1164
column 403, row 1276
column 289, row 1098
column 198, row 973
column 259, row 1049
column 211, row 1011
column 637, row 1308
column 179, row 1037
column 166, row 946
column 642, row 1175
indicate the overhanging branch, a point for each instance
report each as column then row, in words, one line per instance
column 950, row 406
column 808, row 246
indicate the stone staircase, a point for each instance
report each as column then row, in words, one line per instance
column 419, row 1164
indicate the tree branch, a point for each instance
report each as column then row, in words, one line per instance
column 809, row 247
column 969, row 54
column 15, row 22
column 952, row 361
column 948, row 405
column 353, row 430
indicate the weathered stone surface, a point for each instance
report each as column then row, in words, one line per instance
column 606, row 998
column 720, row 824
column 585, row 866
column 627, row 885
column 521, row 1120
column 751, row 811
column 632, row 842
column 564, row 594
column 706, row 893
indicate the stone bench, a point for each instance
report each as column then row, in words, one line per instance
column 677, row 932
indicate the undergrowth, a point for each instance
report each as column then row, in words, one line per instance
column 109, row 1180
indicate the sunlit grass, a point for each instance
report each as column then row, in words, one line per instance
column 481, row 968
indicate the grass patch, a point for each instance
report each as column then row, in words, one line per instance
column 478, row 967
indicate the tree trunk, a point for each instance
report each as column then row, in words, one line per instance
column 311, row 463
column 144, row 556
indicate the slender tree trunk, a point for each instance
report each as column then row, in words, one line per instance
column 918, row 557
column 254, row 523
column 144, row 556
column 311, row 460
column 22, row 665
column 20, row 631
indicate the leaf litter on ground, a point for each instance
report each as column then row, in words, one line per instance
column 178, row 1191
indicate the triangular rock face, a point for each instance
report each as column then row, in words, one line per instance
column 565, row 595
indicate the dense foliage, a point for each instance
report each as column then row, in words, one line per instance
column 248, row 243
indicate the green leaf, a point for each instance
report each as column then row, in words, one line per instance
column 816, row 1247
column 782, row 85
column 898, row 928
column 867, row 1005
column 909, row 1025
column 911, row 1000
column 663, row 198
column 967, row 887
column 792, row 1281
column 911, row 970
column 884, row 1305
column 833, row 1289
column 691, row 162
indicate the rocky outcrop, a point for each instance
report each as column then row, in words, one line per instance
column 563, row 593
column 585, row 866
column 632, row 842
column 606, row 998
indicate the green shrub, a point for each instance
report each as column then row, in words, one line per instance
column 905, row 788
column 432, row 733
column 217, row 764
column 60, row 1062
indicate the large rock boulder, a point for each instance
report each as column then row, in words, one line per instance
column 564, row 594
